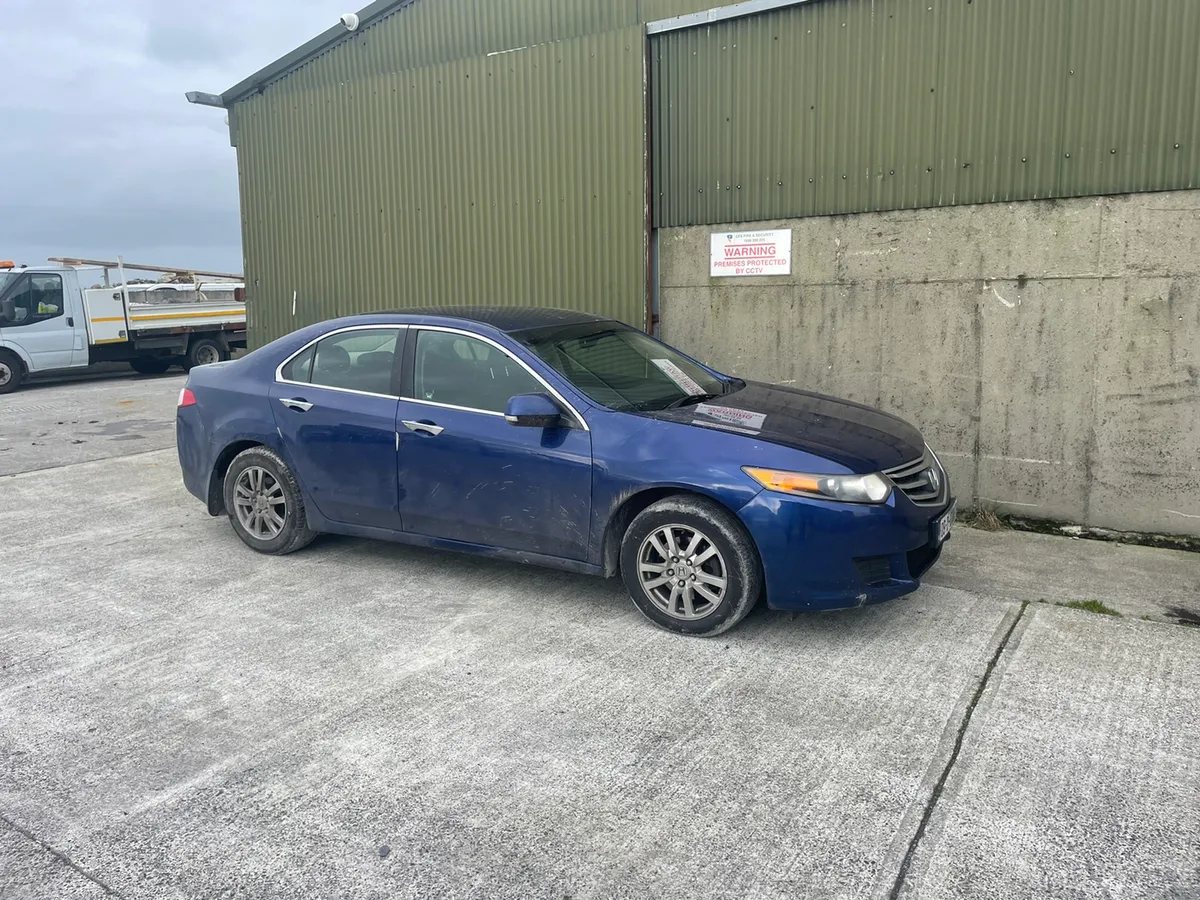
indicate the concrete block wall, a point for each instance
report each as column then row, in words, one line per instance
column 1049, row 350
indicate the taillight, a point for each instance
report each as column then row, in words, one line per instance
column 186, row 398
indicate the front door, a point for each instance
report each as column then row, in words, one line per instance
column 335, row 407
column 466, row 474
column 34, row 317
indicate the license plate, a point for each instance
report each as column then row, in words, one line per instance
column 942, row 526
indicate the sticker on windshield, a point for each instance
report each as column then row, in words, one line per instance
column 722, row 426
column 678, row 376
column 733, row 416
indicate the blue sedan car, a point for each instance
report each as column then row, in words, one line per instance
column 563, row 439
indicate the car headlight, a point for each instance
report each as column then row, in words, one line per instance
column 846, row 488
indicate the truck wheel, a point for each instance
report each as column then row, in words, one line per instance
column 149, row 365
column 11, row 372
column 204, row 352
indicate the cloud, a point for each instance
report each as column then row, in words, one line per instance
column 100, row 153
column 180, row 45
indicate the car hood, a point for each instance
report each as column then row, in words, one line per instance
column 858, row 437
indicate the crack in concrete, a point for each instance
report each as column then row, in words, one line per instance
column 62, row 858
column 939, row 787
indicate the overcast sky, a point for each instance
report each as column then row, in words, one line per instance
column 100, row 153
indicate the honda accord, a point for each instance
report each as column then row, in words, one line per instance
column 564, row 439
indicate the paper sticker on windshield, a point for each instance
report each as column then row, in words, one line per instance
column 678, row 376
column 722, row 426
column 733, row 416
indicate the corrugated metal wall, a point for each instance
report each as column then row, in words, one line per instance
column 429, row 32
column 511, row 179
column 846, row 106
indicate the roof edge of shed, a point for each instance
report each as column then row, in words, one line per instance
column 381, row 9
column 309, row 50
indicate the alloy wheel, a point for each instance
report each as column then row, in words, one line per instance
column 682, row 572
column 260, row 504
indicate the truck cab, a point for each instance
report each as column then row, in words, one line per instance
column 42, row 318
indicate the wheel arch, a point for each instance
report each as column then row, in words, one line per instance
column 629, row 508
column 19, row 352
column 216, row 478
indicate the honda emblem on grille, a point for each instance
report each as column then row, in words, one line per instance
column 934, row 479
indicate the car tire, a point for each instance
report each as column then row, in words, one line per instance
column 259, row 481
column 203, row 352
column 150, row 365
column 11, row 372
column 721, row 578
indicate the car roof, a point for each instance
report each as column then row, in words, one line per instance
column 504, row 318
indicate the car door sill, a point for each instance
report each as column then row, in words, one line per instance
column 419, row 540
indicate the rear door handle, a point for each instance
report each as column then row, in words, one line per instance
column 426, row 427
column 301, row 405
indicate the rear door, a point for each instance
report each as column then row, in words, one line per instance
column 335, row 405
column 34, row 317
column 466, row 474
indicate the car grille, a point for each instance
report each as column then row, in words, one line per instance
column 922, row 481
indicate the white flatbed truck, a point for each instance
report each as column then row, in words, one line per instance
column 72, row 315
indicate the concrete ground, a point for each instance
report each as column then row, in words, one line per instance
column 180, row 717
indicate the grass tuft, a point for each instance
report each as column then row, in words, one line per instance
column 983, row 519
column 1092, row 606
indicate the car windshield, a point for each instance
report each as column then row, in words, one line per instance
column 7, row 278
column 622, row 368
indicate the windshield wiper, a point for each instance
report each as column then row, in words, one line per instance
column 690, row 400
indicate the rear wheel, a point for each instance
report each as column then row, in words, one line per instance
column 150, row 365
column 264, row 503
column 11, row 372
column 690, row 566
column 204, row 352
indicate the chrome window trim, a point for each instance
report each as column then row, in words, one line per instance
column 279, row 379
column 487, row 340
column 470, row 409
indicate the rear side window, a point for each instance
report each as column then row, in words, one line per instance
column 362, row 360
column 300, row 368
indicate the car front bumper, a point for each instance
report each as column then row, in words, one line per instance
column 820, row 555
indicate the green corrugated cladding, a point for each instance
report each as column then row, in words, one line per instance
column 430, row 32
column 845, row 106
column 518, row 178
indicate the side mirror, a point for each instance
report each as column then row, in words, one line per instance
column 533, row 411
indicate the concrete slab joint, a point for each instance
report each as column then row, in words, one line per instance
column 956, row 730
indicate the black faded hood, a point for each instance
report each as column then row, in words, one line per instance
column 850, row 434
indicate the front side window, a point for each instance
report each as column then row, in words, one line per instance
column 622, row 368
column 353, row 360
column 462, row 371
column 31, row 299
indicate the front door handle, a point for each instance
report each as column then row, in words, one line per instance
column 426, row 427
column 300, row 405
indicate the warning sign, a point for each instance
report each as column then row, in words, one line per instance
column 747, row 253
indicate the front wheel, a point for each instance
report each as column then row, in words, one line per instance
column 11, row 372
column 690, row 566
column 264, row 503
